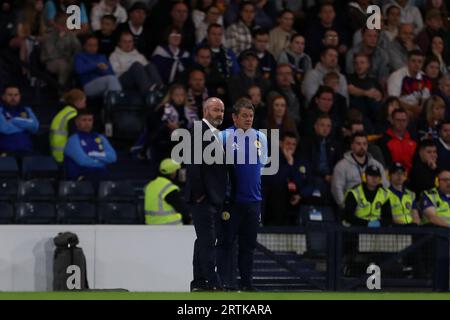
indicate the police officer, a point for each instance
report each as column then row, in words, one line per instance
column 59, row 128
column 367, row 203
column 402, row 200
column 436, row 202
column 247, row 148
column 163, row 201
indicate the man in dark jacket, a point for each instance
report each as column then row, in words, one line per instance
column 424, row 170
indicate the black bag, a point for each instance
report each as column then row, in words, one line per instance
column 67, row 254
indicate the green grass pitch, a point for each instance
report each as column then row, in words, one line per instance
column 97, row 295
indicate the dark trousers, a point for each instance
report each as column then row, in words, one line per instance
column 140, row 77
column 243, row 222
column 206, row 218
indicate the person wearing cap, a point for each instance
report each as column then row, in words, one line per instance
column 367, row 204
column 163, row 201
column 435, row 203
column 248, row 76
column 402, row 200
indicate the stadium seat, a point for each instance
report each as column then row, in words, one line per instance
column 39, row 167
column 6, row 213
column 76, row 191
column 77, row 213
column 8, row 189
column 37, row 190
column 118, row 191
column 36, row 213
column 8, row 167
column 118, row 213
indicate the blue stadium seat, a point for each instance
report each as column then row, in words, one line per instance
column 37, row 190
column 36, row 213
column 118, row 213
column 8, row 189
column 39, row 167
column 8, row 167
column 6, row 213
column 118, row 191
column 76, row 191
column 77, row 213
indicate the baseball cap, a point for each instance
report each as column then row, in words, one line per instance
column 168, row 166
column 396, row 167
column 373, row 171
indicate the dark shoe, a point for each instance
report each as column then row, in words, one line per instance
column 198, row 286
column 248, row 289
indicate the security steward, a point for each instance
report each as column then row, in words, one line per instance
column 75, row 100
column 402, row 200
column 436, row 202
column 163, row 201
column 367, row 203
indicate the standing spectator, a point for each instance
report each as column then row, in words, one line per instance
column 280, row 35
column 432, row 115
column 171, row 59
column 58, row 50
column 87, row 153
column 211, row 15
column 105, row 7
column 424, row 170
column 399, row 48
column 248, row 76
column 239, row 34
column 94, row 70
column 17, row 123
column 443, row 146
column 410, row 84
column 197, row 92
column 53, row 8
column 314, row 78
column 278, row 116
column 132, row 68
column 409, row 13
column 396, row 143
column 392, row 24
column 267, row 63
column 295, row 56
column 349, row 171
column 444, row 93
column 107, row 35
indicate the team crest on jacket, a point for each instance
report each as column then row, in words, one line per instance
column 225, row 215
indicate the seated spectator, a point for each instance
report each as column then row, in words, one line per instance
column 170, row 59
column 314, row 78
column 367, row 204
column 431, row 69
column 197, row 93
column 267, row 64
column 60, row 126
column 54, row 8
column 357, row 14
column 248, row 76
column 106, row 7
column 94, row 70
column 136, row 26
column 8, row 24
column 278, row 116
column 211, row 15
column 107, row 35
column 396, row 143
column 280, row 35
column 284, row 86
column 438, row 50
column 379, row 59
column 255, row 96
column 239, row 34
column 349, row 171
column 322, row 152
column 364, row 90
column 295, row 56
column 332, row 80
column 409, row 13
column 434, row 27
column 392, row 23
column 58, row 50
column 410, row 84
column 401, row 46
column 444, row 93
column 384, row 121
column 443, row 146
column 424, row 170
column 403, row 201
column 180, row 18
column 436, row 202
column 87, row 153
column 17, row 123
column 285, row 190
column 331, row 39
column 432, row 115
column 132, row 68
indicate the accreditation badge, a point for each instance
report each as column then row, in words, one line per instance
column 302, row 169
column 98, row 140
column 226, row 216
column 257, row 144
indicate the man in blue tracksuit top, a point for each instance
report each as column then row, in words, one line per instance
column 87, row 153
column 17, row 123
column 247, row 148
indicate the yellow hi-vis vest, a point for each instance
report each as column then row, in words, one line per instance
column 59, row 131
column 157, row 210
column 402, row 208
column 442, row 207
column 366, row 210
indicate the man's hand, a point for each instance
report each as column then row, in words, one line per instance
column 199, row 200
column 374, row 94
column 432, row 164
column 289, row 155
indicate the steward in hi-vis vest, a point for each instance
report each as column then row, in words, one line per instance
column 436, row 202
